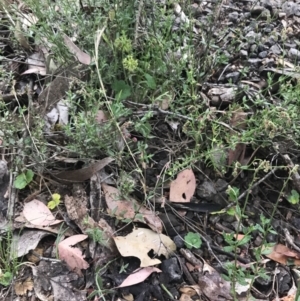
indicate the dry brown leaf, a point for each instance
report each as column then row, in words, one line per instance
column 185, row 297
column 284, row 255
column 73, row 256
column 21, row 287
column 36, row 64
column 101, row 117
column 82, row 57
column 139, row 276
column 182, row 189
column 126, row 209
column 238, row 119
column 213, row 285
column 189, row 290
column 37, row 213
column 141, row 241
column 238, row 154
column 83, row 174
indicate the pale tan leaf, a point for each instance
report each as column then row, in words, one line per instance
column 71, row 255
column 139, row 276
column 82, row 57
column 37, row 213
column 141, row 241
column 130, row 209
column 182, row 189
column 36, row 64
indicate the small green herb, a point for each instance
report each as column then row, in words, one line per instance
column 294, row 197
column 6, row 278
column 55, row 201
column 23, row 179
column 193, row 240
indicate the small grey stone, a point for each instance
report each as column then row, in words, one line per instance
column 221, row 185
column 289, row 45
column 171, row 269
column 179, row 241
column 275, row 49
column 258, row 241
column 263, row 54
column 206, row 190
column 294, row 54
column 251, row 36
column 253, row 48
column 288, row 7
column 257, row 10
column 233, row 16
column 233, row 76
column 244, row 53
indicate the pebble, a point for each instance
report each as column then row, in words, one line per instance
column 294, row 54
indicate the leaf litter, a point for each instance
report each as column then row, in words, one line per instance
column 103, row 232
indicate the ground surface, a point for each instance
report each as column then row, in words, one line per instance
column 150, row 150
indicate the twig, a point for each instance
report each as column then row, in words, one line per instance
column 290, row 239
column 137, row 20
column 156, row 108
column 255, row 184
column 295, row 175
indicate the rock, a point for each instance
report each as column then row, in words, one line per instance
column 290, row 8
column 206, row 190
column 275, row 49
column 233, row 76
column 294, row 54
column 171, row 270
column 243, row 53
column 233, row 16
column 179, row 241
column 263, row 54
column 251, row 37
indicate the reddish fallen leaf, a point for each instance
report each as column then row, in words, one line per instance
column 82, row 57
column 139, row 276
column 182, row 189
column 37, row 213
column 130, row 209
column 73, row 256
column 284, row 255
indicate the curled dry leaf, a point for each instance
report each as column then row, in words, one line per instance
column 21, row 287
column 182, row 189
column 82, row 57
column 141, row 241
column 73, row 256
column 284, row 255
column 126, row 209
column 36, row 64
column 139, row 276
column 37, row 213
column 213, row 285
column 83, row 174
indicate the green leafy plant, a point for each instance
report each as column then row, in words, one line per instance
column 97, row 236
column 293, row 198
column 192, row 240
column 5, row 278
column 123, row 267
column 23, row 179
column 55, row 201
